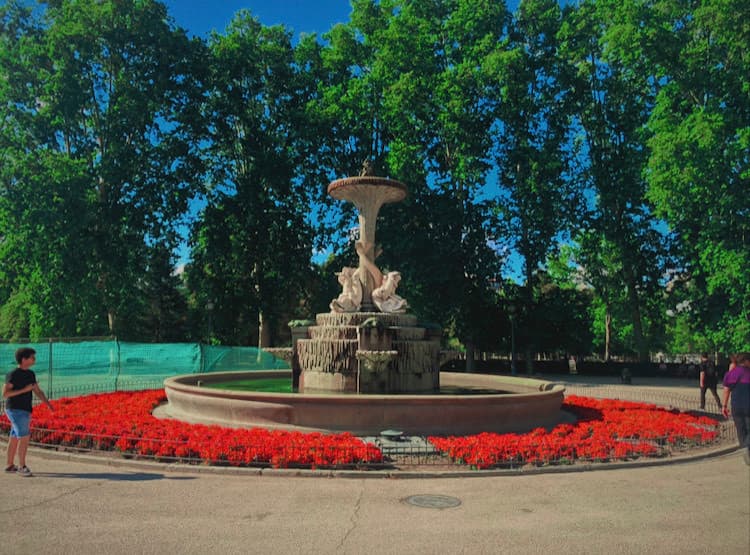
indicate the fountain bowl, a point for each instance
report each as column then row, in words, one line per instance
column 360, row 189
column 528, row 404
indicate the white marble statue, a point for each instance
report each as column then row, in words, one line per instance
column 350, row 298
column 385, row 297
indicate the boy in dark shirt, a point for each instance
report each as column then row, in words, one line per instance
column 17, row 390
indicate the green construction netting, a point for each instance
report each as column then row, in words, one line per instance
column 74, row 368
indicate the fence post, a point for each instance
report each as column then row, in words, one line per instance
column 50, row 366
column 202, row 367
column 117, row 365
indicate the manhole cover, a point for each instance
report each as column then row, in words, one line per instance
column 432, row 501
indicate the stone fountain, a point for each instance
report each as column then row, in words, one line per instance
column 368, row 343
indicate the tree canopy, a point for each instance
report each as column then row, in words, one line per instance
column 586, row 163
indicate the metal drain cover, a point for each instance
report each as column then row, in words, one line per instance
column 432, row 501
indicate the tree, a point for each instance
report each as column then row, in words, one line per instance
column 441, row 111
column 405, row 87
column 161, row 312
column 531, row 142
column 252, row 244
column 621, row 245
column 699, row 171
column 101, row 104
column 565, row 323
column 42, row 198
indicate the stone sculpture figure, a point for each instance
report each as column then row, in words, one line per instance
column 350, row 298
column 385, row 297
column 368, row 167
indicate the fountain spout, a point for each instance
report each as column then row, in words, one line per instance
column 373, row 370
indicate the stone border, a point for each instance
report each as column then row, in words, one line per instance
column 114, row 460
column 152, row 466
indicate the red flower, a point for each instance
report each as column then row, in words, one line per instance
column 123, row 421
column 607, row 429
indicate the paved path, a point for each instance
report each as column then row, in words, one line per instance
column 71, row 507
column 700, row 507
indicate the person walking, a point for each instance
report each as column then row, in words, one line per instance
column 17, row 391
column 709, row 379
column 737, row 385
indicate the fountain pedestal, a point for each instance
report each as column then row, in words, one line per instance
column 330, row 362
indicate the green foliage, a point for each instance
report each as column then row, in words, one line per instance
column 618, row 129
column 251, row 244
column 98, row 111
column 401, row 84
column 530, row 144
column 161, row 314
column 620, row 247
column 699, row 172
column 562, row 318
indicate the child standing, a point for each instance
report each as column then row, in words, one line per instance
column 19, row 385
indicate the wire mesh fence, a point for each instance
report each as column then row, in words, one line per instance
column 386, row 455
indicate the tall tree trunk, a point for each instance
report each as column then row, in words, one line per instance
column 111, row 320
column 261, row 332
column 259, row 299
column 470, row 363
column 529, row 353
column 530, row 349
column 640, row 341
column 607, row 331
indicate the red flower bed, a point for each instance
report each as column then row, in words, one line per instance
column 606, row 430
column 123, row 421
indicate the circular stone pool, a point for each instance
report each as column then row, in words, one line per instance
column 526, row 404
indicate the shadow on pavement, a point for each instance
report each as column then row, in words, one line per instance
column 114, row 476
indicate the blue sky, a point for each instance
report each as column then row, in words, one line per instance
column 200, row 17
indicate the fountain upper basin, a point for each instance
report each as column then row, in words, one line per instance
column 530, row 403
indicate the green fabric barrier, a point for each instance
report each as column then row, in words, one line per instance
column 75, row 368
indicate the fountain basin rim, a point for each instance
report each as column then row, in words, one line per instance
column 530, row 404
column 525, row 387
